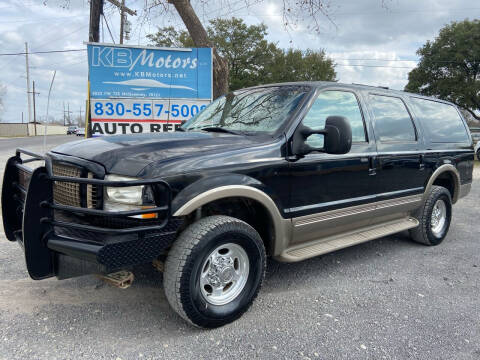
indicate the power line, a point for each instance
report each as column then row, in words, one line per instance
column 61, row 37
column 30, row 21
column 403, row 60
column 386, row 12
column 108, row 28
column 42, row 52
column 377, row 66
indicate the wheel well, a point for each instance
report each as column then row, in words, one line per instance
column 446, row 180
column 245, row 209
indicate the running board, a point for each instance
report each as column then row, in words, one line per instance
column 301, row 252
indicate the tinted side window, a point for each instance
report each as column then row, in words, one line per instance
column 392, row 120
column 340, row 103
column 441, row 122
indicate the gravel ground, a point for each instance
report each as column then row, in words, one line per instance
column 386, row 299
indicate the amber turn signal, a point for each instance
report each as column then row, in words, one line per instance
column 149, row 216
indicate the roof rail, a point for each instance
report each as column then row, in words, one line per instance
column 381, row 87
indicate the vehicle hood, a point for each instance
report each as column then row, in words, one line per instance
column 129, row 154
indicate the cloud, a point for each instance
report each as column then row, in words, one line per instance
column 360, row 30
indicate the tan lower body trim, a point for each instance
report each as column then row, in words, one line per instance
column 330, row 223
column 356, row 210
column 333, row 243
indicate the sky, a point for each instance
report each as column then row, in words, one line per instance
column 372, row 42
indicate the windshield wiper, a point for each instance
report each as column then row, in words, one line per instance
column 219, row 129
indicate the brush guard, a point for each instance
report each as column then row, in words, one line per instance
column 28, row 218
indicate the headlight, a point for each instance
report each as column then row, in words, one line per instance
column 128, row 195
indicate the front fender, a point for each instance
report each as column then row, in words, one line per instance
column 203, row 185
column 233, row 185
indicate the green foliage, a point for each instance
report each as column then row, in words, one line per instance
column 169, row 37
column 297, row 65
column 449, row 67
column 252, row 60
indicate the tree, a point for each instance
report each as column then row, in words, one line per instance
column 251, row 59
column 294, row 11
column 297, row 65
column 200, row 39
column 449, row 67
column 169, row 37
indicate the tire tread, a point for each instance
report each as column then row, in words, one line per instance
column 419, row 234
column 180, row 253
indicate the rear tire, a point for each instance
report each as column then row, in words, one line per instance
column 478, row 154
column 434, row 217
column 214, row 271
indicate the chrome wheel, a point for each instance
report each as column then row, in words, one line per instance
column 438, row 218
column 224, row 274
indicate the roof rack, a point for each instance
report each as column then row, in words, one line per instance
column 381, row 87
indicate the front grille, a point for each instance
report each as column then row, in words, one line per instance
column 67, row 193
column 92, row 194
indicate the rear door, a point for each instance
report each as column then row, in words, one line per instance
column 399, row 166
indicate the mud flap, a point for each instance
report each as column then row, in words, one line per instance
column 11, row 204
column 39, row 259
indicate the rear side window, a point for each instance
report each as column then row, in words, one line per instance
column 441, row 122
column 340, row 103
column 392, row 120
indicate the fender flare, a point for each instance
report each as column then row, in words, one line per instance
column 445, row 168
column 281, row 225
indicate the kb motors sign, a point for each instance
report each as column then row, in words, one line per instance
column 144, row 89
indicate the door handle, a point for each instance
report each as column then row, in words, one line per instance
column 422, row 162
column 372, row 169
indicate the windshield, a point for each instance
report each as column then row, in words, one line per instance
column 251, row 110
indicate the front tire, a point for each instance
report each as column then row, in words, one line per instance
column 214, row 271
column 434, row 217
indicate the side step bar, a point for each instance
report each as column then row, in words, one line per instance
column 305, row 251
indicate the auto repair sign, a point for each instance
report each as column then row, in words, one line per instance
column 143, row 89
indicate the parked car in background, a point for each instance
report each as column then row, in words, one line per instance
column 80, row 132
column 475, row 131
column 290, row 171
column 72, row 130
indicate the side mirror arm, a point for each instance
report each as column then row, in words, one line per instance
column 299, row 146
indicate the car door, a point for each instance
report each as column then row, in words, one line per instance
column 399, row 165
column 325, row 185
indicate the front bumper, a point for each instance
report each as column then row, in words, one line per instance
column 60, row 240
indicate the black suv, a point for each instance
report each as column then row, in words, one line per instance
column 289, row 171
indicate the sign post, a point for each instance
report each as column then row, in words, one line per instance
column 135, row 89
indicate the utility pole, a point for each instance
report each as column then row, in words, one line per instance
column 66, row 115
column 96, row 10
column 122, row 20
column 123, row 16
column 28, row 84
column 34, row 109
column 22, row 117
column 80, row 120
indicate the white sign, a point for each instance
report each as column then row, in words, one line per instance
column 130, row 116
